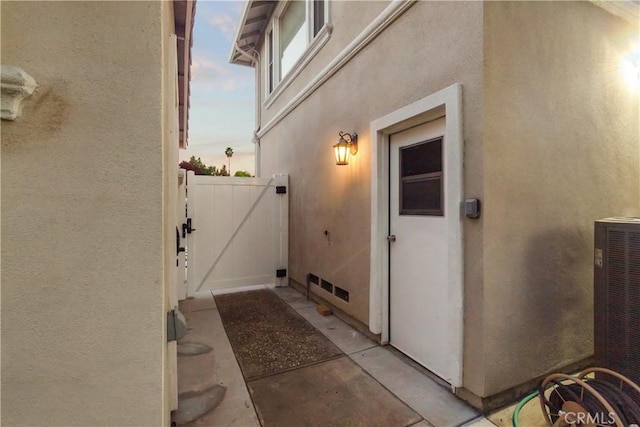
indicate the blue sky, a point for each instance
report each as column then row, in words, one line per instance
column 222, row 94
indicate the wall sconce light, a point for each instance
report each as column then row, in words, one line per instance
column 347, row 146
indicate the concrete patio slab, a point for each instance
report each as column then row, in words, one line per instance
column 200, row 301
column 332, row 393
column 292, row 297
column 436, row 404
column 479, row 422
column 423, row 423
column 193, row 405
column 342, row 335
column 320, row 388
column 530, row 415
column 236, row 409
column 196, row 373
column 218, row 366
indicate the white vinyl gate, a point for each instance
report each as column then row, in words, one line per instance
column 181, row 234
column 237, row 233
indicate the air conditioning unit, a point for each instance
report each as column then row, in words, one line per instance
column 617, row 295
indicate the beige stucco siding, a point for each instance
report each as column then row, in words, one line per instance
column 83, row 293
column 388, row 74
column 551, row 144
column 170, row 131
column 561, row 150
column 347, row 19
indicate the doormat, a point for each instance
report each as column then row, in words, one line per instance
column 268, row 336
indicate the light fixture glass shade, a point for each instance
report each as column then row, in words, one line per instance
column 342, row 152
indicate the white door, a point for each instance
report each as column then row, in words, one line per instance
column 424, row 225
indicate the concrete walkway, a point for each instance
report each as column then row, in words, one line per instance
column 433, row 404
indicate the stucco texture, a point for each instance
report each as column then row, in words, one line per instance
column 386, row 75
column 347, row 20
column 562, row 150
column 83, row 294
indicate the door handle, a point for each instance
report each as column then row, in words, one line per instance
column 391, row 238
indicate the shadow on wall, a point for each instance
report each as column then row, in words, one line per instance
column 555, row 322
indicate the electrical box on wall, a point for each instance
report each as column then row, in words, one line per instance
column 472, row 208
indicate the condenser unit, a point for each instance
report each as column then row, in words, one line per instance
column 617, row 295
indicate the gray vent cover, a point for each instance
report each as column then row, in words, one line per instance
column 617, row 295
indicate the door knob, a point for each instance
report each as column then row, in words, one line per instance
column 391, row 238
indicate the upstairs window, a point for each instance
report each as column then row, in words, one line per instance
column 293, row 37
column 270, row 64
column 293, row 29
column 319, row 8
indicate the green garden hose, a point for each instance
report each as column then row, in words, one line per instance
column 523, row 402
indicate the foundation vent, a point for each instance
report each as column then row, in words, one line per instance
column 312, row 279
column 326, row 286
column 342, row 294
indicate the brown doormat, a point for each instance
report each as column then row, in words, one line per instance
column 268, row 336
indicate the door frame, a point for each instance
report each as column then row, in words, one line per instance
column 444, row 103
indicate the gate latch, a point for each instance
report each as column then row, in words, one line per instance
column 187, row 228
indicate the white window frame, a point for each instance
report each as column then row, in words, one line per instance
column 314, row 44
column 269, row 51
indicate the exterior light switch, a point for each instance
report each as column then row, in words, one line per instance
column 472, row 208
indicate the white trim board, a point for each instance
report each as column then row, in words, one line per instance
column 382, row 21
column 444, row 103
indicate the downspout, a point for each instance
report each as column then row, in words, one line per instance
column 255, row 62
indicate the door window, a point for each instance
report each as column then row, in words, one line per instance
column 421, row 179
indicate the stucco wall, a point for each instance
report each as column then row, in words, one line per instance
column 82, row 211
column 397, row 68
column 561, row 150
column 348, row 19
column 170, row 132
column 551, row 144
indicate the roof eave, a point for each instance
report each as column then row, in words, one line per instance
column 241, row 25
column 184, row 14
column 250, row 32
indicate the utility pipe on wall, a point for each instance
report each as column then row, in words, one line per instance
column 255, row 61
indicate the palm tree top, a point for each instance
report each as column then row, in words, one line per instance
column 228, row 152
